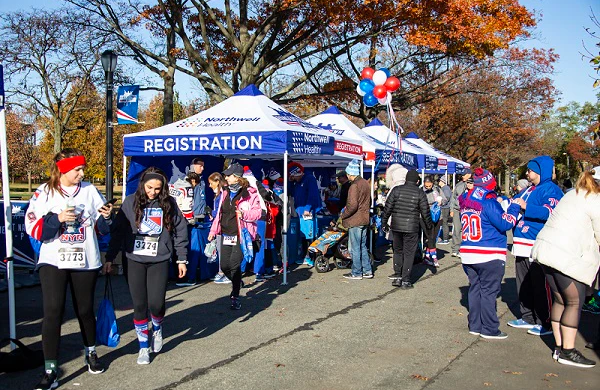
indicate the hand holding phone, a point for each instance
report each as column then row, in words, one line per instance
column 111, row 202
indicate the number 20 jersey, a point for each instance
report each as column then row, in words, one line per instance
column 484, row 225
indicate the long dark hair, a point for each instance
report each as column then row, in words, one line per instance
column 164, row 199
column 53, row 184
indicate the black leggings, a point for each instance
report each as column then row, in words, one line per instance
column 569, row 296
column 148, row 288
column 231, row 263
column 54, row 291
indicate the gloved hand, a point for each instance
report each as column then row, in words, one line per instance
column 385, row 228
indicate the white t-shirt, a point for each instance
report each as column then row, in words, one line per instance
column 76, row 246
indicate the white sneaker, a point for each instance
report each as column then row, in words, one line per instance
column 157, row 341
column 144, row 356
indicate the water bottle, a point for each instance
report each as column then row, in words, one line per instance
column 70, row 225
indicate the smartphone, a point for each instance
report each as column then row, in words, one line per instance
column 112, row 201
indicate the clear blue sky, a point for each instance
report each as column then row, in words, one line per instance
column 562, row 27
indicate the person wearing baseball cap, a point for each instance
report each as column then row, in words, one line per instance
column 307, row 202
column 483, row 251
column 537, row 203
column 199, row 205
column 239, row 208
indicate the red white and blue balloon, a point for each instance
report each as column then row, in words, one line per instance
column 377, row 86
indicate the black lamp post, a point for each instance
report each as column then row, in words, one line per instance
column 109, row 64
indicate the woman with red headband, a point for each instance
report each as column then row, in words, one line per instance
column 64, row 214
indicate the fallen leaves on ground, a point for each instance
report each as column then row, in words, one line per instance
column 279, row 365
column 551, row 374
column 420, row 377
column 512, row 372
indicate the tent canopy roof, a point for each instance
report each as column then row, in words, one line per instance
column 248, row 123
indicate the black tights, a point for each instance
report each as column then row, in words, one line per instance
column 569, row 296
column 54, row 291
column 148, row 288
column 231, row 262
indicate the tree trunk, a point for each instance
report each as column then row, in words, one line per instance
column 29, row 189
column 507, row 181
column 168, row 98
column 57, row 135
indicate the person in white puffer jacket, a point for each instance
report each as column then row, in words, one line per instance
column 567, row 249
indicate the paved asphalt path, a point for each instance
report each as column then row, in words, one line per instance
column 319, row 332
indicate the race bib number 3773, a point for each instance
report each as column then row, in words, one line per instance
column 71, row 258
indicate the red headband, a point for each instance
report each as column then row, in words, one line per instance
column 66, row 164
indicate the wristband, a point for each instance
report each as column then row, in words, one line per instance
column 182, row 262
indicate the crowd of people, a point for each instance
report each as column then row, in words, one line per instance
column 556, row 241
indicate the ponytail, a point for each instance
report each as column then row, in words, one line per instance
column 588, row 183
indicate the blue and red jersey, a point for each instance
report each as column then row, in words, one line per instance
column 484, row 226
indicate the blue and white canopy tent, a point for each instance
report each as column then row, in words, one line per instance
column 426, row 160
column 247, row 125
column 446, row 163
column 375, row 151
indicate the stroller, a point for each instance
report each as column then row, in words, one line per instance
column 332, row 245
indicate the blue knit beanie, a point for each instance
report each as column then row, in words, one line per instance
column 353, row 168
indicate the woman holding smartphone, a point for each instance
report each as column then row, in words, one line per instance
column 150, row 227
column 64, row 214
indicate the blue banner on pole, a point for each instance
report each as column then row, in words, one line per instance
column 1, row 87
column 408, row 160
column 23, row 253
column 127, row 104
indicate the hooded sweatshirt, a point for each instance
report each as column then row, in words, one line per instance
column 151, row 242
column 541, row 200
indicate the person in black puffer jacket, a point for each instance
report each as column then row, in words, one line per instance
column 406, row 204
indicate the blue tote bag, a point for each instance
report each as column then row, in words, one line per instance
column 436, row 212
column 106, row 321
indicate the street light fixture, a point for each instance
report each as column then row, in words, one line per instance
column 568, row 167
column 109, row 64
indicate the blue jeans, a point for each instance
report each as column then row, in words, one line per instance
column 361, row 263
column 484, row 286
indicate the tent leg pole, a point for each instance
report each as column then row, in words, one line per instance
column 371, row 208
column 285, row 218
column 124, row 178
column 10, row 275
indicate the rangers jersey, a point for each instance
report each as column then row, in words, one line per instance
column 484, row 226
column 67, row 247
column 183, row 193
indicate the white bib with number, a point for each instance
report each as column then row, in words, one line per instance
column 229, row 240
column 145, row 246
column 71, row 258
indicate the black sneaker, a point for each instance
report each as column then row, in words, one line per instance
column 394, row 276
column 575, row 358
column 406, row 285
column 397, row 282
column 499, row 336
column 352, row 277
column 235, row 304
column 49, row 381
column 556, row 353
column 93, row 363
